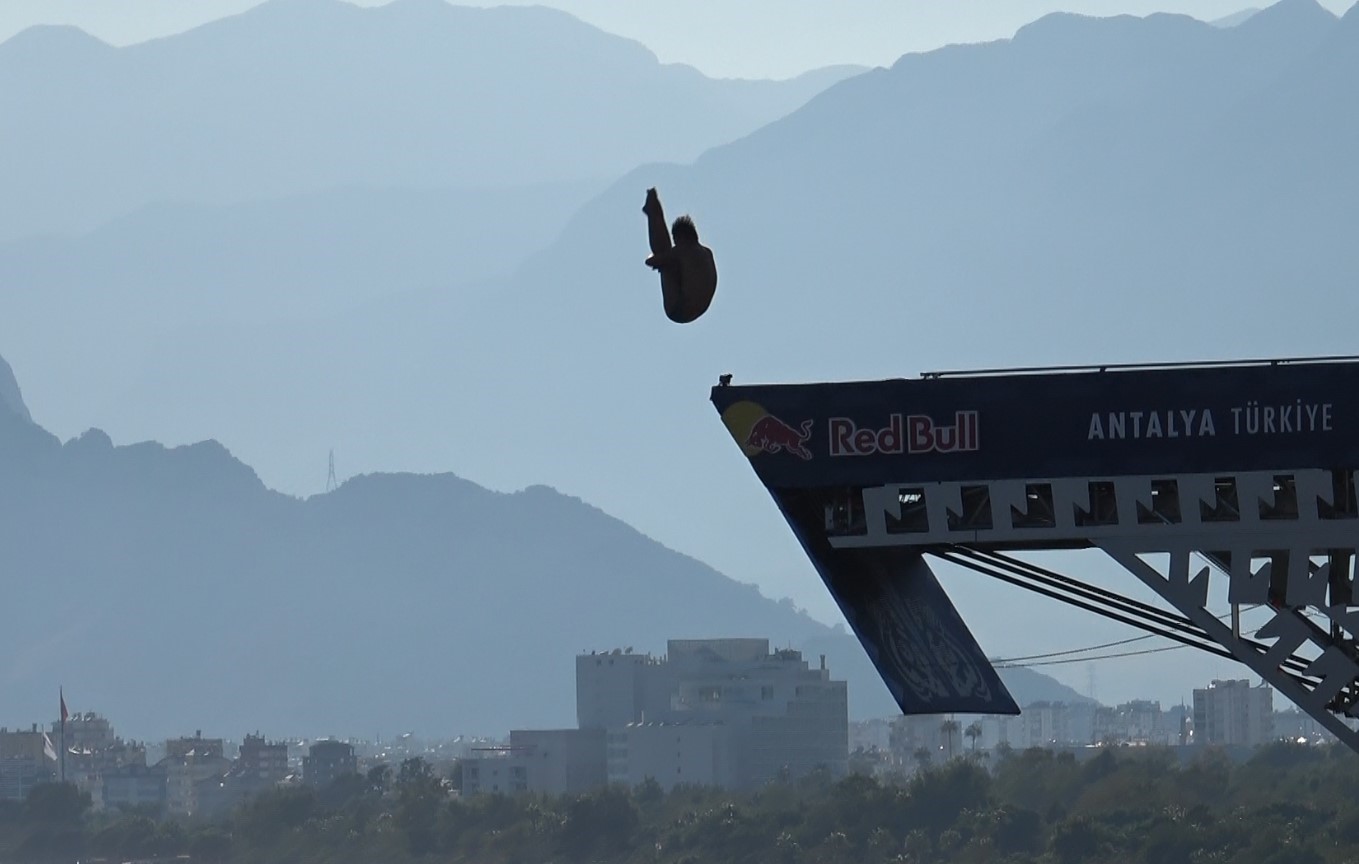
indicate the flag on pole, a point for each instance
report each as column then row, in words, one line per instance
column 47, row 749
column 61, row 694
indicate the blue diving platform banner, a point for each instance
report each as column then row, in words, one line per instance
column 911, row 631
column 1067, row 424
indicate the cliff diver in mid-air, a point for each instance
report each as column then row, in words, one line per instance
column 688, row 273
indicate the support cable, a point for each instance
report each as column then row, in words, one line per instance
column 1294, row 663
column 1005, row 665
column 1072, row 650
column 1078, row 585
column 1057, row 581
column 1156, row 622
column 1100, row 647
column 1211, row 648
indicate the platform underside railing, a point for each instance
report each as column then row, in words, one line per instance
column 1281, row 540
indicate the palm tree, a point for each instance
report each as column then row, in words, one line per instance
column 949, row 728
column 1004, row 750
column 973, row 732
column 922, row 758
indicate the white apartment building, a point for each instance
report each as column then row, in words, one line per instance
column 728, row 712
column 1233, row 712
column 695, row 753
column 547, row 761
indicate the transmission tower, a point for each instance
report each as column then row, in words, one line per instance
column 331, row 482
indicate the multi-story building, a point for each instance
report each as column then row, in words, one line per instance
column 548, row 761
column 697, row 752
column 92, row 749
column 262, row 760
column 197, row 746
column 327, row 761
column 259, row 765
column 187, row 764
column 611, row 689
column 29, row 744
column 85, row 732
column 1140, row 722
column 134, row 786
column 763, row 715
column 1047, row 724
column 1233, row 712
column 1299, row 727
column 25, row 761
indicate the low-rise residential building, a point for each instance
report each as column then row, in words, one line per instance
column 187, row 763
column 27, row 758
column 327, row 761
column 133, row 786
column 264, row 761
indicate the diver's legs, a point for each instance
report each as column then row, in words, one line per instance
column 672, row 294
column 657, row 232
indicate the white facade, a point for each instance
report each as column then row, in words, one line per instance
column 1233, row 712
column 610, row 689
column 183, row 775
column 547, row 761
column 780, row 717
column 672, row 754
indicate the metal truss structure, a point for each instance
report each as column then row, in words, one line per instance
column 1282, row 540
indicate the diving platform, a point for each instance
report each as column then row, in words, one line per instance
column 1234, row 476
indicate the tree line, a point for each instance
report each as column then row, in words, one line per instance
column 1288, row 804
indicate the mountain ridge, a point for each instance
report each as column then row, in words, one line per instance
column 292, row 98
column 388, row 599
column 11, row 398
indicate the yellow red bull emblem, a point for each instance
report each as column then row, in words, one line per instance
column 757, row 431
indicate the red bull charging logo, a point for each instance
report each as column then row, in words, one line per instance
column 758, row 431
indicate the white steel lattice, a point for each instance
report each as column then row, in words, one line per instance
column 1284, row 539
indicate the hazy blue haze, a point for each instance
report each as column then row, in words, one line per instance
column 302, row 95
column 1092, row 190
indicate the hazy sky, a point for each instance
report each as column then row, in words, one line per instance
column 740, row 38
column 720, row 37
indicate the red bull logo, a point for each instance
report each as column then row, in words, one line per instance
column 916, row 433
column 758, row 431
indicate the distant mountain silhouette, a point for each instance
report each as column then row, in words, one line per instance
column 1092, row 190
column 1029, row 686
column 297, row 96
column 1235, row 18
column 10, row 398
column 169, row 589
